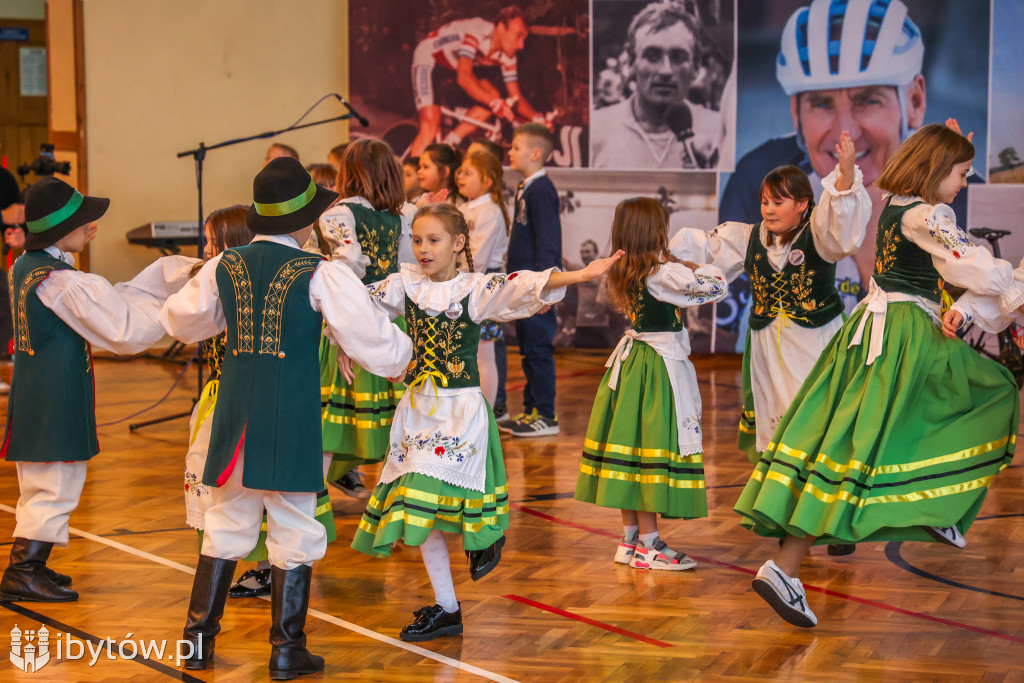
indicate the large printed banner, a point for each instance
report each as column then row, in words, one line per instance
column 693, row 102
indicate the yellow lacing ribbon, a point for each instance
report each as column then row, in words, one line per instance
column 430, row 369
column 781, row 312
column 947, row 298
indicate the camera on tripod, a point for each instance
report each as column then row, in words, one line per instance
column 45, row 164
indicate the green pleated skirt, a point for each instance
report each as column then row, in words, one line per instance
column 357, row 416
column 746, row 438
column 409, row 507
column 631, row 458
column 876, row 452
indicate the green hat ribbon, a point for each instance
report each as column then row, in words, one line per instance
column 289, row 206
column 58, row 216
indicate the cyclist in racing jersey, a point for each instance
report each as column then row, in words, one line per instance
column 460, row 46
column 846, row 66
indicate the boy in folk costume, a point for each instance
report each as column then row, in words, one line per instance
column 51, row 414
column 265, row 448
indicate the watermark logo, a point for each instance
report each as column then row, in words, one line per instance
column 30, row 656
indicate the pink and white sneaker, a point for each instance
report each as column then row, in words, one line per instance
column 624, row 553
column 660, row 557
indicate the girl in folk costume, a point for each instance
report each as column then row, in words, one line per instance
column 363, row 230
column 790, row 259
column 643, row 451
column 480, row 182
column 439, row 164
column 444, row 471
column 265, row 446
column 59, row 313
column 897, row 432
column 226, row 229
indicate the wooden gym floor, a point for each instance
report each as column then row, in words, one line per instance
column 557, row 608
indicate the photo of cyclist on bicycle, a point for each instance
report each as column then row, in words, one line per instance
column 461, row 46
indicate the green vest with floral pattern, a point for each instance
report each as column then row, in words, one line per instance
column 803, row 291
column 901, row 265
column 444, row 349
column 647, row 314
column 269, row 392
column 51, row 411
column 377, row 233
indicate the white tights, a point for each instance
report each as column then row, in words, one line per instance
column 435, row 558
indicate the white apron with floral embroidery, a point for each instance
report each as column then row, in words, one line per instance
column 440, row 432
column 674, row 349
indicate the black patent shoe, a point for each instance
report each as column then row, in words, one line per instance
column 481, row 562
column 261, row 576
column 840, row 549
column 432, row 622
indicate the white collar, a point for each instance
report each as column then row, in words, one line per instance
column 361, row 201
column 538, row 174
column 482, row 200
column 286, row 240
column 437, row 297
column 65, row 256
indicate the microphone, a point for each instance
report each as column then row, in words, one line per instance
column 680, row 121
column 363, row 121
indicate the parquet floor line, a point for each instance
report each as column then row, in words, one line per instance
column 588, row 621
column 807, row 586
column 355, row 628
column 153, row 664
column 892, row 553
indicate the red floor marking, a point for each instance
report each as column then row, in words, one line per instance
column 745, row 570
column 589, row 622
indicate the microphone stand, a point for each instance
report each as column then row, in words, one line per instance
column 199, row 155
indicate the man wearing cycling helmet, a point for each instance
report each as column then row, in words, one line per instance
column 868, row 82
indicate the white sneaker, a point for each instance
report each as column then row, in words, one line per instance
column 660, row 557
column 949, row 535
column 785, row 594
column 624, row 553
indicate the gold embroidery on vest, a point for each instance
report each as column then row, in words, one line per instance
column 34, row 278
column 759, row 285
column 273, row 305
column 243, row 298
column 381, row 252
column 886, row 259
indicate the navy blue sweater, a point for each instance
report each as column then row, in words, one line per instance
column 535, row 242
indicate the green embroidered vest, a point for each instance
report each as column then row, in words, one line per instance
column 270, row 381
column 213, row 352
column 51, row 411
column 647, row 314
column 443, row 349
column 901, row 265
column 377, row 232
column 804, row 292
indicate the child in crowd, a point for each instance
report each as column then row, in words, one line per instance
column 59, row 312
column 790, row 259
column 278, row 150
column 265, row 444
column 335, row 155
column 643, row 451
column 363, row 230
column 411, row 179
column 897, row 432
column 535, row 243
column 438, row 165
column 444, row 471
column 480, row 182
column 226, row 229
column 489, row 146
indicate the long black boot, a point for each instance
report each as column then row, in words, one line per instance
column 26, row 576
column 289, row 602
column 206, row 607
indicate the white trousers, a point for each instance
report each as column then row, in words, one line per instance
column 50, row 492
column 294, row 536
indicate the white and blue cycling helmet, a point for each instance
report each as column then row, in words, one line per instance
column 833, row 44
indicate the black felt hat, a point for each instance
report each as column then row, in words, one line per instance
column 54, row 209
column 285, row 198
